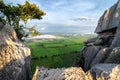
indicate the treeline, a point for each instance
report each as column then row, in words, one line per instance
column 13, row 14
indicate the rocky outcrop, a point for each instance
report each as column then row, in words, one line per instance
column 14, row 56
column 110, row 19
column 98, row 72
column 114, row 56
column 89, row 54
column 105, row 47
column 104, row 72
column 72, row 73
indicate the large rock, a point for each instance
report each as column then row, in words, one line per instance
column 104, row 72
column 98, row 72
column 116, row 40
column 101, row 56
column 114, row 56
column 72, row 73
column 108, row 30
column 90, row 53
column 14, row 56
column 110, row 19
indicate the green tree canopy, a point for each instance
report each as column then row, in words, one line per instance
column 10, row 14
column 31, row 11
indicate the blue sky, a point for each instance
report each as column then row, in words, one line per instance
column 68, row 13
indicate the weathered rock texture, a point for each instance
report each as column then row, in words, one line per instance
column 105, row 48
column 104, row 72
column 110, row 19
column 14, row 56
column 98, row 72
column 72, row 73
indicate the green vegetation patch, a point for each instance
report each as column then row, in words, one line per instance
column 53, row 45
column 55, row 53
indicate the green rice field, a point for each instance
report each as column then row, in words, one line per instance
column 56, row 52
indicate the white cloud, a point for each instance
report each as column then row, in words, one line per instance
column 43, row 28
column 83, row 19
column 61, row 11
column 68, row 12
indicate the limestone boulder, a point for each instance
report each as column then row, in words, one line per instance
column 14, row 56
column 89, row 54
column 72, row 73
column 104, row 72
column 104, row 48
column 90, row 41
column 101, row 56
column 110, row 19
column 116, row 40
column 114, row 56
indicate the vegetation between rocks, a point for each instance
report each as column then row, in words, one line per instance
column 55, row 53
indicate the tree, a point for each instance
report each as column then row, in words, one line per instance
column 31, row 11
column 12, row 15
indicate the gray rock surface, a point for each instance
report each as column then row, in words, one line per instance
column 116, row 40
column 72, row 73
column 110, row 19
column 104, row 72
column 14, row 56
column 98, row 72
column 114, row 56
column 90, row 53
column 101, row 56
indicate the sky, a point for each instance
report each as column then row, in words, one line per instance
column 68, row 13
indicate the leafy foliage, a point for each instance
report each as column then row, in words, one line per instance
column 31, row 11
column 33, row 31
column 10, row 14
